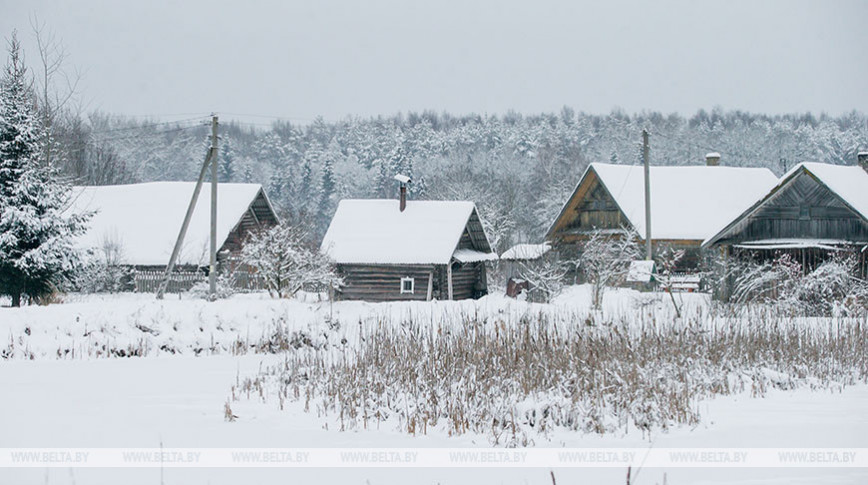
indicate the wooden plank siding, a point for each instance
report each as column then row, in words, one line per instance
column 258, row 215
column 804, row 208
column 590, row 207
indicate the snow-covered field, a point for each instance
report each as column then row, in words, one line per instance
column 97, row 326
column 59, row 389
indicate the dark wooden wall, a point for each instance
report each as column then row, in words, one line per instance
column 468, row 281
column 802, row 209
column 383, row 282
column 597, row 210
column 258, row 215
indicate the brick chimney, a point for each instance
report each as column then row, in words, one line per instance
column 712, row 159
column 404, row 180
column 862, row 157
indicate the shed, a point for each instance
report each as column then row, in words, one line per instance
column 429, row 250
column 688, row 203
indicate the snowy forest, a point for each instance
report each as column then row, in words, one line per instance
column 519, row 169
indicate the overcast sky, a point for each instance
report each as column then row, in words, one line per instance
column 304, row 59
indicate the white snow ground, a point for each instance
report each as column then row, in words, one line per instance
column 177, row 400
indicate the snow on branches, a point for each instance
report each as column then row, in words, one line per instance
column 36, row 236
column 286, row 262
column 606, row 257
column 830, row 288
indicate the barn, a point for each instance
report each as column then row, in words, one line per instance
column 814, row 211
column 688, row 203
column 390, row 250
column 139, row 224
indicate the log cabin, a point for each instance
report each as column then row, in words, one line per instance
column 814, row 211
column 687, row 204
column 139, row 224
column 392, row 250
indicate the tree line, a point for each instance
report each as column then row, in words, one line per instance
column 519, row 169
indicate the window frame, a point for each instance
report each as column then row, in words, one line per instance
column 412, row 281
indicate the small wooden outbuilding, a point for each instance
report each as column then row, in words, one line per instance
column 390, row 250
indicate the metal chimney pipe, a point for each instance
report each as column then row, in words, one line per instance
column 404, row 180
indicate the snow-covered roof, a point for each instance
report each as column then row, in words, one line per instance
column 378, row 232
column 640, row 271
column 850, row 182
column 526, row 251
column 146, row 218
column 828, row 244
column 473, row 256
column 687, row 202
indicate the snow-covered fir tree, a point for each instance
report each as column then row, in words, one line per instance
column 36, row 237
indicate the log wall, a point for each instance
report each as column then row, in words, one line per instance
column 468, row 281
column 383, row 282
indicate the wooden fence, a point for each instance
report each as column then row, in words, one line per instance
column 148, row 281
column 179, row 281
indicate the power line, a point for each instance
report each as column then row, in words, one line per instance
column 164, row 115
column 148, row 125
column 250, row 124
column 279, row 118
column 145, row 135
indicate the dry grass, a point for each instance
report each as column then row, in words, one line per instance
column 513, row 381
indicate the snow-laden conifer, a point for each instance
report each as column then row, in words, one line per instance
column 36, row 236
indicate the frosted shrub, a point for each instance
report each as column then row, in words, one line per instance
column 104, row 271
column 546, row 277
column 781, row 284
column 606, row 258
column 225, row 288
column 286, row 262
column 98, row 277
column 831, row 286
column 766, row 282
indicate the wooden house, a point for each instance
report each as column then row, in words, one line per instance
column 139, row 224
column 815, row 210
column 687, row 204
column 388, row 250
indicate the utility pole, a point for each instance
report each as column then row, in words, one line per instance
column 211, row 157
column 646, row 160
column 212, row 270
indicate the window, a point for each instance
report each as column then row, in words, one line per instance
column 407, row 285
column 804, row 213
